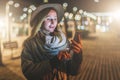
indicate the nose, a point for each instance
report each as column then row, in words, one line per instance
column 52, row 21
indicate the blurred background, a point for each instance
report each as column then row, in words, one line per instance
column 98, row 22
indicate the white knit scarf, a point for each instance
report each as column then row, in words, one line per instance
column 53, row 44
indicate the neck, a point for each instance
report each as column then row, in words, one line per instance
column 45, row 32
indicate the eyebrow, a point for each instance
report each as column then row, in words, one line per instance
column 49, row 16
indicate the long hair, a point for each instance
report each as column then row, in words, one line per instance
column 39, row 23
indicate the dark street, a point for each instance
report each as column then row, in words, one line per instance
column 101, row 57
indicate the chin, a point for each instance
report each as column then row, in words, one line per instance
column 52, row 31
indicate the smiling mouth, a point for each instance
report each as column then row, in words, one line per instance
column 51, row 26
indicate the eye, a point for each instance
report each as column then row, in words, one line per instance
column 51, row 19
column 55, row 19
column 48, row 18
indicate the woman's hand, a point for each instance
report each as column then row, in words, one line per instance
column 64, row 55
column 76, row 45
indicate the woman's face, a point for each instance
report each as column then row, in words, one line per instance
column 50, row 21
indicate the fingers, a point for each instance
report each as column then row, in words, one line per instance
column 76, row 49
column 68, row 55
column 74, row 43
column 64, row 55
column 59, row 57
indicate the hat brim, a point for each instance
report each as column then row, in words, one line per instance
column 59, row 9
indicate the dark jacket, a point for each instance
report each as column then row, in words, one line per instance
column 37, row 65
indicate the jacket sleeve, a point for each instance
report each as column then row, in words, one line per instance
column 32, row 70
column 74, row 65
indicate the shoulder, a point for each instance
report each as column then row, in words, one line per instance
column 28, row 41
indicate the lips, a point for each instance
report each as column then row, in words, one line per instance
column 51, row 26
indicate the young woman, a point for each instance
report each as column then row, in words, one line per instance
column 45, row 54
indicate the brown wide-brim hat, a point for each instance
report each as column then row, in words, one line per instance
column 58, row 7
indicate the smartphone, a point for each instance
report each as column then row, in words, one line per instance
column 76, row 36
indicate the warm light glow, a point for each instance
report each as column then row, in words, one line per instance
column 110, row 19
column 29, row 10
column 11, row 2
column 25, row 9
column 99, row 20
column 70, row 15
column 21, row 17
column 65, row 5
column 33, row 7
column 75, row 9
column 96, row 1
column 2, row 21
column 66, row 14
column 116, row 14
column 77, row 17
column 2, row 27
column 45, row 1
column 10, row 14
column 24, row 15
column 16, row 5
column 80, row 11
